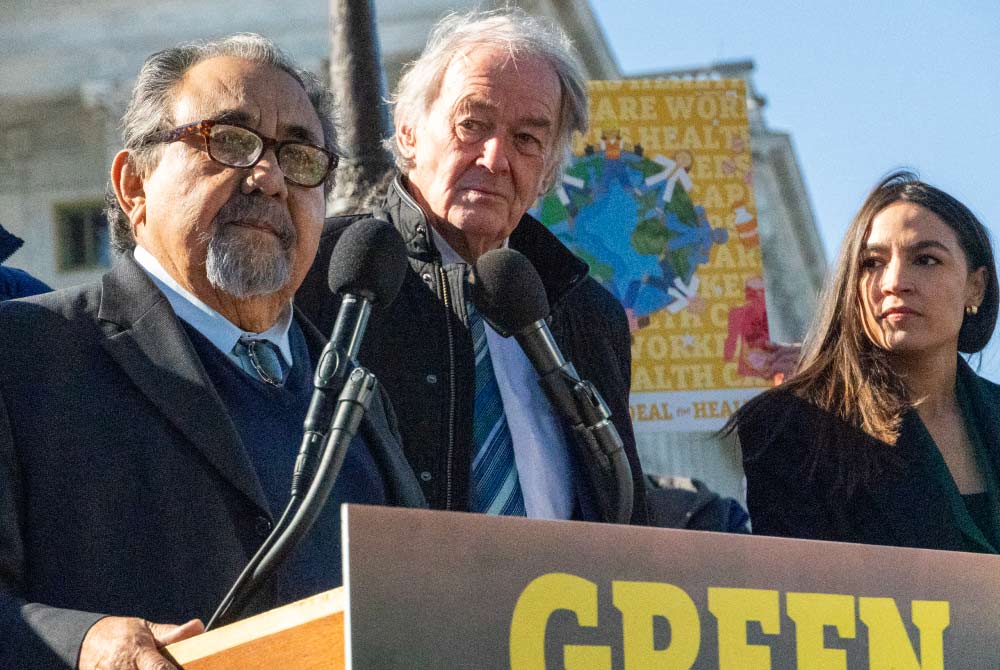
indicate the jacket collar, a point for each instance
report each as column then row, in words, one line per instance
column 914, row 503
column 984, row 397
column 146, row 339
column 937, row 515
column 560, row 270
column 980, row 401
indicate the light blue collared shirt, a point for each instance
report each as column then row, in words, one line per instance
column 542, row 455
column 217, row 329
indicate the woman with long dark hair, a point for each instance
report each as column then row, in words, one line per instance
column 885, row 435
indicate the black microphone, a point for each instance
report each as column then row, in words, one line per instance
column 367, row 268
column 509, row 294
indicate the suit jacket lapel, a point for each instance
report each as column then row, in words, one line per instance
column 147, row 340
column 985, row 406
column 915, row 506
column 981, row 400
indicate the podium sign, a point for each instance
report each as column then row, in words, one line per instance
column 452, row 590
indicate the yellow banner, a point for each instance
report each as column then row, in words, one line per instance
column 658, row 199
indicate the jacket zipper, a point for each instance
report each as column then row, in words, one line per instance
column 445, row 296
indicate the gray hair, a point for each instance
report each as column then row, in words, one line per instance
column 149, row 110
column 512, row 30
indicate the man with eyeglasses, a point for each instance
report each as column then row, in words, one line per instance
column 149, row 423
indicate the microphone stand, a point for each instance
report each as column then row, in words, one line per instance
column 579, row 402
column 302, row 510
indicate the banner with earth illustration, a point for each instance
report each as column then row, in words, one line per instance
column 658, row 199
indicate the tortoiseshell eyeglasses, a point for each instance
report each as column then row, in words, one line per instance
column 233, row 145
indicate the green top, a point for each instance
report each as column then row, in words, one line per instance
column 981, row 512
column 981, row 532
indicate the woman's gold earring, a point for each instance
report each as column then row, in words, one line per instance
column 972, row 310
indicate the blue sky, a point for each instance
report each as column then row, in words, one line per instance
column 862, row 87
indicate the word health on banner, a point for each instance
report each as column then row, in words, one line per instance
column 658, row 200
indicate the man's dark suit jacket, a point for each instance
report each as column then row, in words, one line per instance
column 124, row 487
column 794, row 492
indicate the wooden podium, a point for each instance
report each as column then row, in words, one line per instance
column 451, row 591
column 305, row 635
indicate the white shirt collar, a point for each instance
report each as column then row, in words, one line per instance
column 217, row 329
column 540, row 447
column 448, row 255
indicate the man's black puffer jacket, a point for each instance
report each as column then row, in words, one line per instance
column 420, row 349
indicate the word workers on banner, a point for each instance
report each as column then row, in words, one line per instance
column 658, row 200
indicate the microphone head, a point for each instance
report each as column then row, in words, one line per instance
column 508, row 292
column 369, row 261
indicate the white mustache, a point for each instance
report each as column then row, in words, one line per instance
column 258, row 210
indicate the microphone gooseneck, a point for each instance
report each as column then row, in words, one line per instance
column 366, row 270
column 510, row 295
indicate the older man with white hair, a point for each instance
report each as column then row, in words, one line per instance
column 483, row 123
